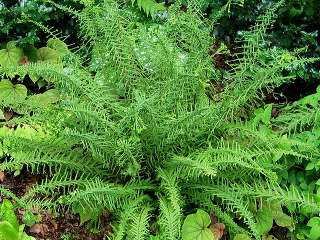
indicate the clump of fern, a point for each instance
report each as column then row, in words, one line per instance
column 135, row 133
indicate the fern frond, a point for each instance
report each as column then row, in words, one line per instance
column 98, row 193
column 169, row 220
column 138, row 229
column 234, row 201
column 170, row 206
column 150, row 7
column 128, row 210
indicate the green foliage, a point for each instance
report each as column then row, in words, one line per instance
column 12, row 93
column 314, row 223
column 17, row 96
column 11, row 55
column 269, row 213
column 9, row 226
column 15, row 24
column 196, row 225
column 133, row 130
column 150, row 7
column 242, row 236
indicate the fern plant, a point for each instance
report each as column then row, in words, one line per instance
column 134, row 132
column 150, row 7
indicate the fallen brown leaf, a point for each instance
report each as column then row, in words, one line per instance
column 8, row 115
column 218, row 230
column 39, row 228
column 2, row 176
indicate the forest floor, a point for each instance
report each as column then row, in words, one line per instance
column 65, row 226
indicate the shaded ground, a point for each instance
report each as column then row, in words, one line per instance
column 51, row 227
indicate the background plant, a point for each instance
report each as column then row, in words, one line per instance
column 134, row 130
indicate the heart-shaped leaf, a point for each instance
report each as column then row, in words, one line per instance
column 46, row 54
column 281, row 219
column 195, row 227
column 314, row 223
column 58, row 45
column 44, row 99
column 10, row 93
column 264, row 220
column 11, row 55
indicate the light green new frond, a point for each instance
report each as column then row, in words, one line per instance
column 169, row 182
column 170, row 206
column 130, row 209
column 229, row 156
column 39, row 162
column 169, row 220
column 255, row 37
column 301, row 115
column 139, row 227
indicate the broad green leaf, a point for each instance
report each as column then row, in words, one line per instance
column 46, row 54
column 8, row 232
column 266, row 116
column 44, row 99
column 264, row 220
column 34, row 77
column 242, row 236
column 58, row 45
column 11, row 55
column 281, row 219
column 10, row 93
column 86, row 213
column 41, row 83
column 315, row 221
column 310, row 166
column 315, row 233
column 20, row 231
column 195, row 227
column 7, row 214
column 306, row 210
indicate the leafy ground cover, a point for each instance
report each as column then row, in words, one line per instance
column 160, row 120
